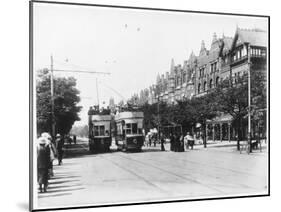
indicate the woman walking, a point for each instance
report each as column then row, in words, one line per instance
column 162, row 140
column 43, row 163
column 60, row 143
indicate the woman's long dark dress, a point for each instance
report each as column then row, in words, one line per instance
column 43, row 163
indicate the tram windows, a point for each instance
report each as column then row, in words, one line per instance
column 96, row 130
column 102, row 130
column 128, row 129
column 99, row 131
column 131, row 128
column 135, row 128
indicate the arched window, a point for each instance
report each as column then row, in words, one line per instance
column 211, row 83
column 199, row 88
column 217, row 81
column 205, row 86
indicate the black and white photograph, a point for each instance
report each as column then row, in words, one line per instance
column 142, row 105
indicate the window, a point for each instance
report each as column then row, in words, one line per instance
column 234, row 57
column 102, row 130
column 213, row 67
column 263, row 52
column 99, row 131
column 238, row 54
column 96, row 130
column 199, row 88
column 217, row 81
column 226, row 60
column 201, row 72
column 134, row 128
column 184, row 77
column 128, row 129
column 243, row 52
column 211, row 83
column 205, row 86
column 131, row 128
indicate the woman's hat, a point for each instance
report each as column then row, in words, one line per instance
column 58, row 135
column 42, row 140
column 46, row 135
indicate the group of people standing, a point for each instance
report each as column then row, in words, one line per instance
column 178, row 142
column 48, row 150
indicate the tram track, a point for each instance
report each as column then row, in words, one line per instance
column 135, row 174
column 213, row 166
column 172, row 173
column 180, row 176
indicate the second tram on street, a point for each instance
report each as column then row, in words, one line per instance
column 99, row 131
column 129, row 130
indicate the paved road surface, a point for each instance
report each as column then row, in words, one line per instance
column 152, row 175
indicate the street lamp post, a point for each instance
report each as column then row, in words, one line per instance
column 249, row 99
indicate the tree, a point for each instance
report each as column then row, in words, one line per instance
column 66, row 98
column 232, row 98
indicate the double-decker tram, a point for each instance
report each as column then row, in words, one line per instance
column 99, row 131
column 129, row 130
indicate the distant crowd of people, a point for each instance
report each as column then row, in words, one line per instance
column 48, row 150
column 178, row 141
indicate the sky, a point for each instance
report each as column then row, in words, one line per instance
column 133, row 45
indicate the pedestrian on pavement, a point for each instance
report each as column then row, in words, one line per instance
column 154, row 140
column 181, row 149
column 43, row 163
column 74, row 139
column 60, row 149
column 162, row 140
column 53, row 152
column 189, row 139
column 177, row 143
column 149, row 140
column 69, row 139
column 172, row 142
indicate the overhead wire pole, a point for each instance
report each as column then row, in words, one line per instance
column 249, row 99
column 97, row 92
column 53, row 127
column 52, row 89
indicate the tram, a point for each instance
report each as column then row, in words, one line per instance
column 129, row 130
column 99, row 131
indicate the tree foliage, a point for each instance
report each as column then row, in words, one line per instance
column 66, row 98
column 232, row 98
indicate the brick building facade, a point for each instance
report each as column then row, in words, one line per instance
column 226, row 58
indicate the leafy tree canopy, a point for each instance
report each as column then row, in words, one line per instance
column 66, row 98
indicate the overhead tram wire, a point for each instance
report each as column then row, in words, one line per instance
column 77, row 71
column 77, row 66
column 112, row 89
column 52, row 87
column 91, row 72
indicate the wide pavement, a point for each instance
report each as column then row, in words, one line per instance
column 153, row 175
